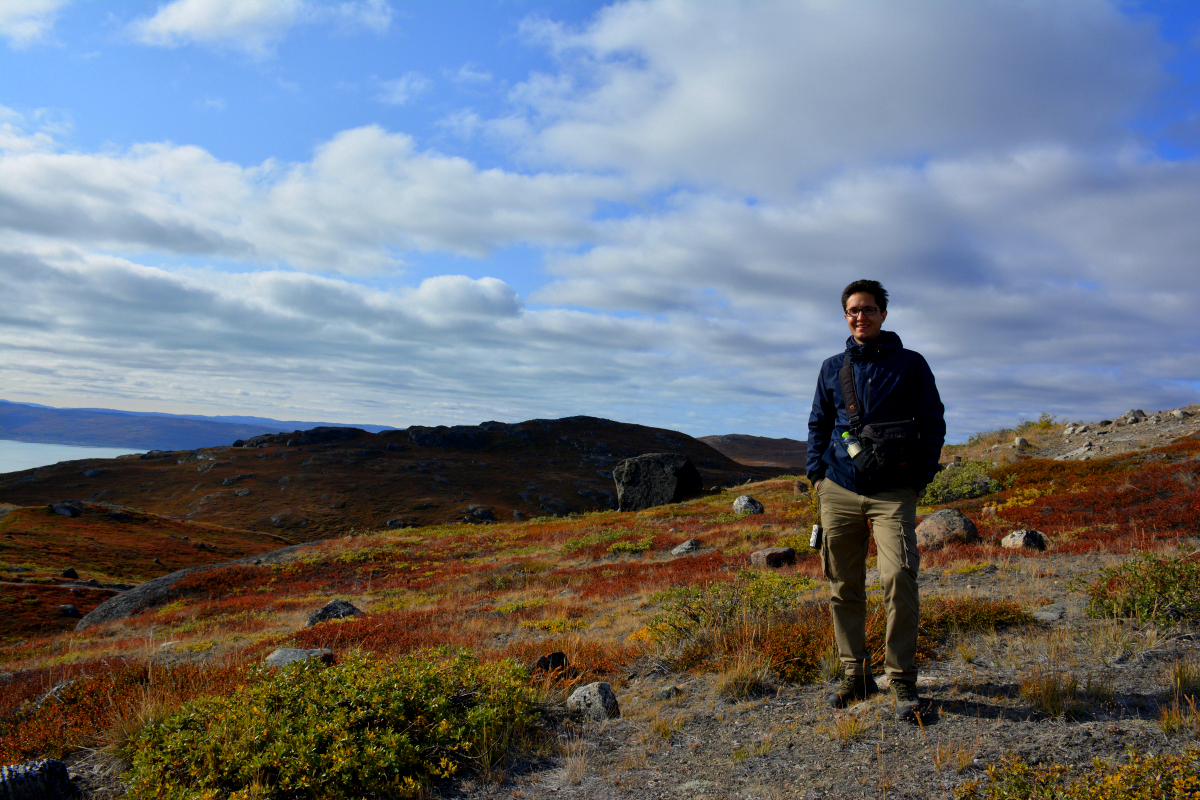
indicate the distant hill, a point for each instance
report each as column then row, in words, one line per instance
column 102, row 427
column 315, row 484
column 760, row 451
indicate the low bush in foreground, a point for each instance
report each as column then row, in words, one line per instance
column 362, row 728
column 1148, row 587
column 1142, row 777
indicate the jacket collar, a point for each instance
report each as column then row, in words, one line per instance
column 886, row 342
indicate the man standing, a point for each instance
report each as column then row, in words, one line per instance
column 885, row 409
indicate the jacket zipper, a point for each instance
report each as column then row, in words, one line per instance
column 867, row 401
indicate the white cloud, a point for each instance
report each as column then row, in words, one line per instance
column 761, row 96
column 400, row 90
column 23, row 22
column 250, row 26
column 365, row 198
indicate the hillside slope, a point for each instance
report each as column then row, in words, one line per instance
column 761, row 451
column 323, row 483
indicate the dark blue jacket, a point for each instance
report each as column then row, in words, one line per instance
column 893, row 384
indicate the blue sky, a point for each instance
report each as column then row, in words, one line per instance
column 427, row 213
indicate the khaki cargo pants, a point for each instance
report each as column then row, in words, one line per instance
column 893, row 515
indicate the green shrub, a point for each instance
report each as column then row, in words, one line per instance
column 1142, row 777
column 962, row 482
column 626, row 546
column 362, row 728
column 1147, row 587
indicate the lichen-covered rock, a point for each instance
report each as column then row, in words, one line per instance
column 943, row 527
column 289, row 655
column 1024, row 539
column 745, row 504
column 683, row 548
column 595, row 701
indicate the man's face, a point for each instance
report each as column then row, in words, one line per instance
column 864, row 326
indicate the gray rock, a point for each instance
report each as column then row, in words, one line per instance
column 745, row 504
column 1067, row 431
column 68, row 610
column 682, row 549
column 334, row 609
column 160, row 591
column 1179, row 413
column 1020, row 442
column 595, row 701
column 478, row 515
column 773, row 557
column 1051, row 613
column 67, row 508
column 655, row 479
column 945, row 527
column 667, row 693
column 1135, row 415
column 44, row 779
column 290, row 655
column 1024, row 539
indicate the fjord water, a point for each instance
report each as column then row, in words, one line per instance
column 16, row 456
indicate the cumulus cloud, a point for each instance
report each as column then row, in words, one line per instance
column 253, row 27
column 762, row 96
column 400, row 90
column 366, row 197
column 23, row 22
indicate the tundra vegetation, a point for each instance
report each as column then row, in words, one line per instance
column 432, row 683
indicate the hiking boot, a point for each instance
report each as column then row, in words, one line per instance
column 907, row 700
column 852, row 689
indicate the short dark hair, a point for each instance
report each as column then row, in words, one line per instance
column 873, row 288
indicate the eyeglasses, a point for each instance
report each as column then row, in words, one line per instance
column 868, row 311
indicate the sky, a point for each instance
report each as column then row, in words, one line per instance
column 450, row 212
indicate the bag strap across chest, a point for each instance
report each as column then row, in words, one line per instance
column 850, row 394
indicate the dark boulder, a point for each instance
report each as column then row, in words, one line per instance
column 68, row 610
column 555, row 662
column 70, row 573
column 773, row 557
column 44, row 779
column 655, row 479
column 334, row 609
column 67, row 508
column 462, row 437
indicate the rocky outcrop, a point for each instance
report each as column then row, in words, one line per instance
column 160, row 591
column 66, row 508
column 655, row 479
column 318, row 435
column 945, row 527
column 596, row 701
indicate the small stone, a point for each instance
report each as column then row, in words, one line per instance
column 69, row 610
column 1179, row 413
column 595, row 701
column 334, row 609
column 1024, row 539
column 1067, row 431
column 667, row 693
column 70, row 573
column 682, row 549
column 745, row 504
column 1020, row 442
column 773, row 557
column 289, row 655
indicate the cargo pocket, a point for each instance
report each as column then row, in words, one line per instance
column 912, row 556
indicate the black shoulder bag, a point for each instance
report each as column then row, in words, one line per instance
column 891, row 450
